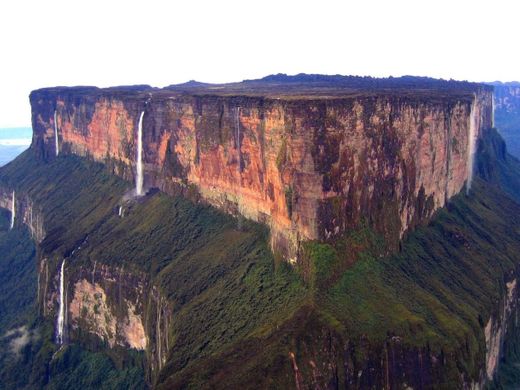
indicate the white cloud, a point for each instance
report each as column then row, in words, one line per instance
column 15, row 142
column 20, row 337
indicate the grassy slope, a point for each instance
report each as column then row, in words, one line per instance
column 436, row 293
column 222, row 280
column 17, row 288
column 27, row 367
column 509, row 125
column 237, row 316
column 17, row 274
column 33, row 366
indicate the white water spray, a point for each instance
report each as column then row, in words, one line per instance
column 13, row 211
column 237, row 124
column 61, row 312
column 493, row 110
column 237, row 121
column 139, row 174
column 472, row 139
column 56, row 132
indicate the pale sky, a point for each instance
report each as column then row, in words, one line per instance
column 110, row 42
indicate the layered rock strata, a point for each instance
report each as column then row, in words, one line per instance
column 25, row 212
column 310, row 167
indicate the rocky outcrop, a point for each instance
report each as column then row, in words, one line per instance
column 499, row 325
column 310, row 167
column 337, row 363
column 507, row 114
column 507, row 98
column 159, row 320
column 108, row 303
column 105, row 304
column 25, row 212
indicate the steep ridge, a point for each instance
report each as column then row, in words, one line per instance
column 434, row 316
column 200, row 297
column 507, row 114
column 311, row 159
column 163, row 271
column 431, row 315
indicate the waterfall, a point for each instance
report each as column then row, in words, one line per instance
column 139, row 174
column 13, row 211
column 56, row 133
column 120, row 211
column 237, row 124
column 493, row 110
column 61, row 312
column 94, row 274
column 472, row 139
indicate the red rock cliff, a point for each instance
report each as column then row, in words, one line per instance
column 309, row 165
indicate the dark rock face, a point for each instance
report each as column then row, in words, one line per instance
column 310, row 166
column 122, row 307
column 25, row 212
column 507, row 114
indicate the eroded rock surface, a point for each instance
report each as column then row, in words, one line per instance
column 310, row 167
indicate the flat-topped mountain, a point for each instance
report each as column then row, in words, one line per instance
column 303, row 86
column 310, row 156
column 162, row 219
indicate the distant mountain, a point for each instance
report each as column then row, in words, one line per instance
column 505, row 84
column 298, row 232
column 507, row 114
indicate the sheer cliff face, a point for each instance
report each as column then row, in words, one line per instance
column 25, row 212
column 507, row 98
column 117, row 306
column 507, row 109
column 309, row 168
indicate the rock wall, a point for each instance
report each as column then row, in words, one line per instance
column 104, row 304
column 309, row 168
column 499, row 325
column 25, row 212
column 507, row 114
column 108, row 303
column 159, row 319
column 336, row 363
column 507, row 98
column 109, row 306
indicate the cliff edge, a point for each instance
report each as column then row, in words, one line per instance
column 310, row 156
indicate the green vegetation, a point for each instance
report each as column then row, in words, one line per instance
column 237, row 318
column 17, row 274
column 281, row 157
column 221, row 280
column 289, row 194
column 434, row 295
column 76, row 368
column 73, row 202
column 26, row 343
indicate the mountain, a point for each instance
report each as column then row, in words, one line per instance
column 322, row 234
column 507, row 114
column 309, row 160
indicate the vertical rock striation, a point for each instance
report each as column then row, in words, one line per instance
column 25, row 211
column 507, row 113
column 310, row 167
